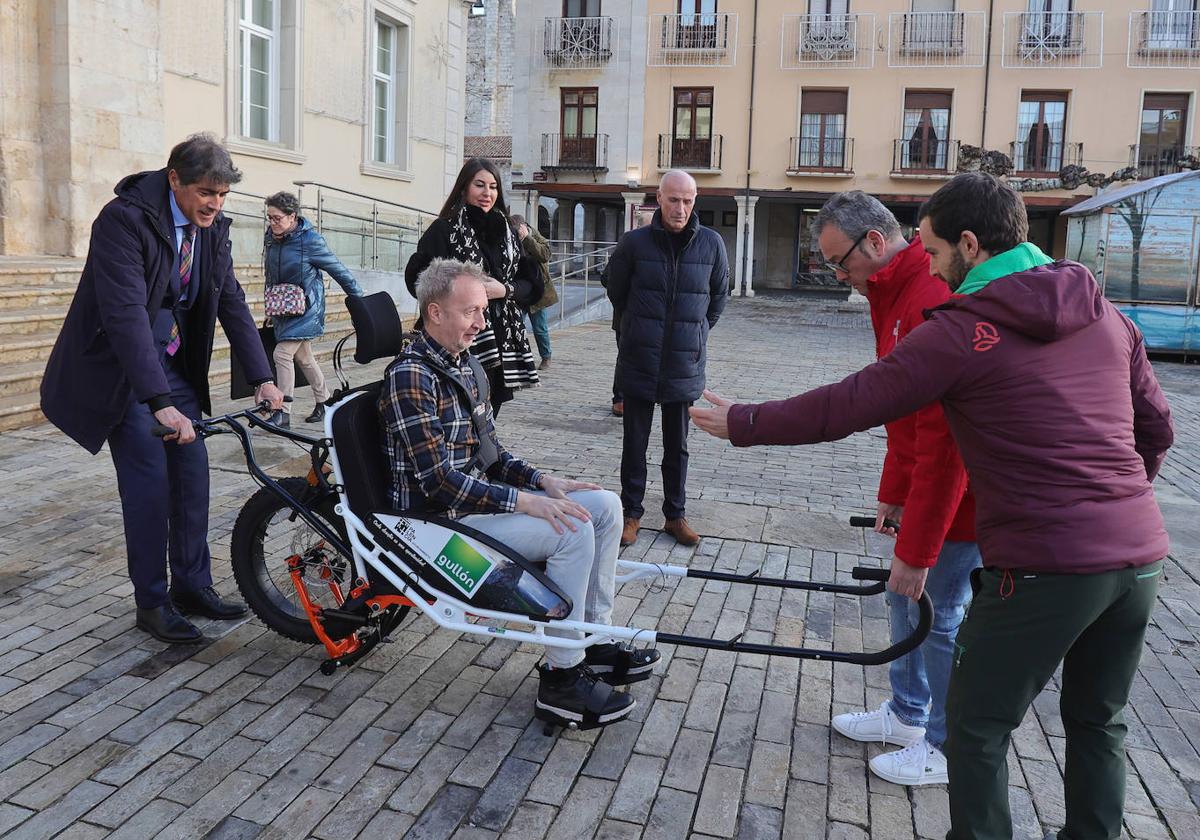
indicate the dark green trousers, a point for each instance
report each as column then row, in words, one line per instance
column 1019, row 628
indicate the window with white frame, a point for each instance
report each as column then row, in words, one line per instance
column 383, row 103
column 258, row 70
column 386, row 136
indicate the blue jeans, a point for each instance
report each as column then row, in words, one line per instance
column 541, row 332
column 919, row 680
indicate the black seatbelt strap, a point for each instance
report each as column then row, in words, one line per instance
column 487, row 453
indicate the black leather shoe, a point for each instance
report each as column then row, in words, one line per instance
column 280, row 419
column 166, row 625
column 318, row 414
column 206, row 602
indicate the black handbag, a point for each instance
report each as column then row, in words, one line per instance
column 239, row 388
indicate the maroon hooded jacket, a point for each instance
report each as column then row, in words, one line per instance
column 922, row 470
column 1055, row 408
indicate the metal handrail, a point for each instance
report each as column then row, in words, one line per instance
column 373, row 198
column 585, row 270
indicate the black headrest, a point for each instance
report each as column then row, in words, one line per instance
column 377, row 328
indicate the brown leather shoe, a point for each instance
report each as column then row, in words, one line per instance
column 682, row 532
column 619, row 409
column 629, row 532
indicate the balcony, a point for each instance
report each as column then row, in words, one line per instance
column 691, row 154
column 937, row 39
column 580, row 43
column 1045, row 158
column 828, row 157
column 578, row 153
column 1164, row 39
column 827, row 42
column 1152, row 161
column 692, row 40
column 1053, row 39
column 917, row 157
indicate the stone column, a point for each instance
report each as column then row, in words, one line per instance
column 525, row 203
column 566, row 220
column 743, row 270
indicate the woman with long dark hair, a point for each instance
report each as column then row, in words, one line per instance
column 473, row 227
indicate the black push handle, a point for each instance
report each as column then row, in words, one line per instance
column 906, row 645
column 203, row 427
column 869, row 522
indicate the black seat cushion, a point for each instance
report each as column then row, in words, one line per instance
column 358, row 441
column 378, row 333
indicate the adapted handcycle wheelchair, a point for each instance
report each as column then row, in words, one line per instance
column 324, row 558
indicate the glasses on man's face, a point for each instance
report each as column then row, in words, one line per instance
column 839, row 266
column 276, row 218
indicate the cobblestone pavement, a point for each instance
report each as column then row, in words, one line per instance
column 105, row 732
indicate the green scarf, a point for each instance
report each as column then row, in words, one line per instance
column 1022, row 258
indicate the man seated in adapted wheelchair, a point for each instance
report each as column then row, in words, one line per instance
column 440, row 441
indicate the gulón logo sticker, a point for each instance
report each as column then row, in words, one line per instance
column 462, row 565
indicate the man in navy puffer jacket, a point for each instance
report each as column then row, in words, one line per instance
column 669, row 281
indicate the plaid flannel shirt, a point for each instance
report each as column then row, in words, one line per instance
column 429, row 439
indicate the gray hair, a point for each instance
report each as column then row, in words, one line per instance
column 201, row 157
column 284, row 202
column 676, row 174
column 436, row 282
column 854, row 213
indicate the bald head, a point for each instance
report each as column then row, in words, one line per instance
column 676, row 199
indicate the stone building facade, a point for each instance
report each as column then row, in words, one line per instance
column 363, row 95
column 491, row 25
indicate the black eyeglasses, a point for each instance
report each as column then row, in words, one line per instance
column 840, row 265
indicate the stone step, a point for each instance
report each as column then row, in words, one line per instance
column 36, row 297
column 18, row 411
column 39, row 271
column 21, row 378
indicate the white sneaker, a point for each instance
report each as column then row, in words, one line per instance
column 880, row 726
column 917, row 764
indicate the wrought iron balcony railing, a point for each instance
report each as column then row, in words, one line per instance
column 581, row 152
column 692, row 40
column 924, row 156
column 937, row 39
column 1044, row 158
column 830, row 42
column 1164, row 39
column 1152, row 161
column 695, row 154
column 1053, row 39
column 578, row 43
column 821, row 156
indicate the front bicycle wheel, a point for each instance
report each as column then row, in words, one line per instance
column 267, row 537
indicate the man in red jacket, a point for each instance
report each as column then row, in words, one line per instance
column 923, row 481
column 1062, row 426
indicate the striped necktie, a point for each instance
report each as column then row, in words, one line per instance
column 185, row 276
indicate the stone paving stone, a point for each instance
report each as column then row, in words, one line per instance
column 766, row 783
column 530, row 822
column 485, row 757
column 304, row 812
column 760, row 823
column 804, row 816
column 583, row 808
column 354, row 761
column 212, row 735
column 22, row 745
column 214, row 806
column 611, row 754
column 155, row 717
column 636, row 791
column 411, row 747
column 388, row 823
column 69, row 774
column 20, row 776
column 662, row 725
column 558, row 772
column 501, row 797
column 671, row 815
column 52, row 821
column 357, row 807
column 204, row 776
column 232, row 828
column 717, row 811
column 448, row 809
column 423, row 783
column 348, row 726
column 689, row 760
column 286, row 745
column 118, row 808
column 11, row 815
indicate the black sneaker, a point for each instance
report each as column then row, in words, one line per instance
column 280, row 419
column 621, row 664
column 576, row 696
column 318, row 414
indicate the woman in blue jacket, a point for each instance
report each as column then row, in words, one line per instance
column 293, row 252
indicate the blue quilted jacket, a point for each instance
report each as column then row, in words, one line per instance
column 299, row 258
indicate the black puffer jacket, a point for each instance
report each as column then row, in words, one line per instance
column 667, row 305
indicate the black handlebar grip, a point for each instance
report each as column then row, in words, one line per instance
column 159, row 430
column 869, row 522
column 865, row 573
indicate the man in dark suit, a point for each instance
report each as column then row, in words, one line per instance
column 134, row 351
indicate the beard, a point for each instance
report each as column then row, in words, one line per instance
column 958, row 271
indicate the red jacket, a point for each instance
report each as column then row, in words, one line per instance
column 922, row 470
column 1053, row 404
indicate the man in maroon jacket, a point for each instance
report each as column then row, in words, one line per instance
column 923, row 481
column 1062, row 426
